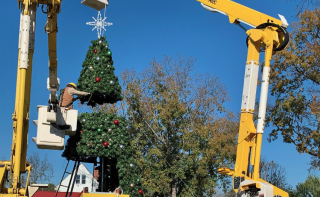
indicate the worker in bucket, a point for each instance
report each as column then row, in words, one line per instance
column 66, row 98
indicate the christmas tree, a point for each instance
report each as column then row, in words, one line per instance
column 101, row 134
column 97, row 75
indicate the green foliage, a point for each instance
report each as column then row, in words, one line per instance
column 295, row 80
column 51, row 187
column 180, row 129
column 100, row 65
column 92, row 131
column 310, row 188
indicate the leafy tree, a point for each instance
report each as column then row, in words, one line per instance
column 274, row 174
column 295, row 80
column 42, row 169
column 310, row 188
column 230, row 193
column 179, row 127
column 51, row 187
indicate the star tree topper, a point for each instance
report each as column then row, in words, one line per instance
column 99, row 24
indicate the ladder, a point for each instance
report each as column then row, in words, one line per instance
column 72, row 178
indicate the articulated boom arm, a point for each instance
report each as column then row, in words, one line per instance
column 271, row 35
column 18, row 162
column 239, row 13
column 52, row 9
column 51, row 28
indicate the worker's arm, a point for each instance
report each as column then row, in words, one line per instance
column 72, row 91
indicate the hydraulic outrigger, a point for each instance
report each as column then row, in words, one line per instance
column 270, row 35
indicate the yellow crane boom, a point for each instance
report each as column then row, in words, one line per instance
column 271, row 35
column 236, row 11
column 12, row 169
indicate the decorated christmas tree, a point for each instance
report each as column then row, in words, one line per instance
column 102, row 135
column 97, row 75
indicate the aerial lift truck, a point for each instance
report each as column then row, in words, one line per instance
column 54, row 123
column 269, row 35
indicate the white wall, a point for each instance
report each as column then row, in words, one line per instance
column 78, row 187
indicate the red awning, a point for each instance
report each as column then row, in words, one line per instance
column 52, row 194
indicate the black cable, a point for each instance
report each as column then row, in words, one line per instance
column 282, row 29
column 44, row 11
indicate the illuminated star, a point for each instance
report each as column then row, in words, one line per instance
column 99, row 24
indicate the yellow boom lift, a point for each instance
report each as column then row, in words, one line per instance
column 270, row 35
column 54, row 123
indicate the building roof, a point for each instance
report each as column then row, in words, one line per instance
column 52, row 194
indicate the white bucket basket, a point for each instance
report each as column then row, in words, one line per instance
column 52, row 127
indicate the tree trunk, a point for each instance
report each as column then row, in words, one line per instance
column 173, row 189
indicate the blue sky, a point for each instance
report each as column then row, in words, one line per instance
column 142, row 30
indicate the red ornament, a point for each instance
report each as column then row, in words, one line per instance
column 140, row 191
column 97, row 79
column 116, row 122
column 95, row 51
column 105, row 144
column 118, row 191
column 80, row 131
column 90, row 143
